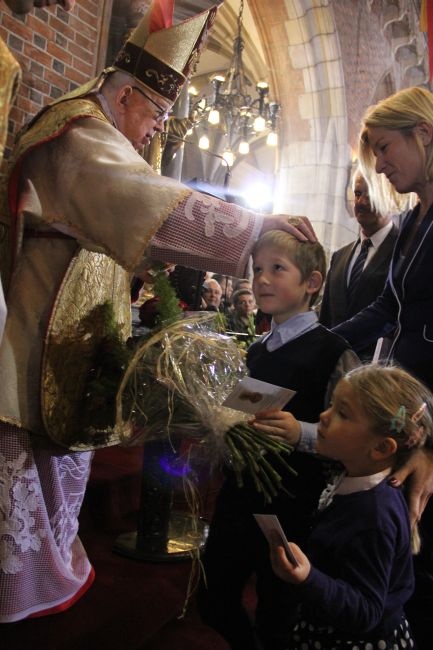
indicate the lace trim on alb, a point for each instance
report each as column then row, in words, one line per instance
column 19, row 501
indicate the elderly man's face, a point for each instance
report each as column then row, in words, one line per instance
column 212, row 294
column 24, row 6
column 140, row 114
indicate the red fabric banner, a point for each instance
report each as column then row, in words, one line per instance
column 426, row 25
column 161, row 15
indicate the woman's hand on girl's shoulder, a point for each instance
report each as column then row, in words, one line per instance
column 417, row 475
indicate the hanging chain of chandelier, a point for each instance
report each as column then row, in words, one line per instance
column 234, row 109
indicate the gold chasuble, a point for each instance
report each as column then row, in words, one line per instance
column 80, row 227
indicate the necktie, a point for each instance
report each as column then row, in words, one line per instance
column 358, row 267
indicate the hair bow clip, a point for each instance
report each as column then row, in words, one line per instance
column 399, row 420
column 419, row 413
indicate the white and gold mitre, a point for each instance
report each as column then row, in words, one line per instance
column 160, row 55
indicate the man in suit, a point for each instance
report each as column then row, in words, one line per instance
column 344, row 294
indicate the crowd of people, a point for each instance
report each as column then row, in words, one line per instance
column 358, row 576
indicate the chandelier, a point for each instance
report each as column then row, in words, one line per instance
column 233, row 108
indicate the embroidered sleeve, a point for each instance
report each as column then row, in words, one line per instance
column 207, row 233
column 112, row 202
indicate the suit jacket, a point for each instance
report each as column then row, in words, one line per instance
column 336, row 306
column 406, row 303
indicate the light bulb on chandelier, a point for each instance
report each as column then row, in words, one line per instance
column 204, row 142
column 272, row 139
column 229, row 157
column 259, row 124
column 244, row 147
column 214, row 116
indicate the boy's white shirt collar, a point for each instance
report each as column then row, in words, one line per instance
column 290, row 329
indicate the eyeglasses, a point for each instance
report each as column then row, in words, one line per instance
column 162, row 113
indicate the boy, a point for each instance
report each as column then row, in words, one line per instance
column 300, row 354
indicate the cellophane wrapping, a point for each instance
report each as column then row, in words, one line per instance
column 174, row 387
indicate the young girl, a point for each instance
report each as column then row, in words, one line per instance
column 358, row 574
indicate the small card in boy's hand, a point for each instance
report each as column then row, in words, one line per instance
column 252, row 395
column 270, row 523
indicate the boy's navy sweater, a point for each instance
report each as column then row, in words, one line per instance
column 304, row 364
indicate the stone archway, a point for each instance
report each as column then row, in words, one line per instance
column 304, row 53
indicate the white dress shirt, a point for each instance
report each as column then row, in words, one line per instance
column 376, row 240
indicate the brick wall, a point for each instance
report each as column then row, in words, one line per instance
column 57, row 51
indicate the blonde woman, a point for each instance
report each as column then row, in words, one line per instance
column 396, row 140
